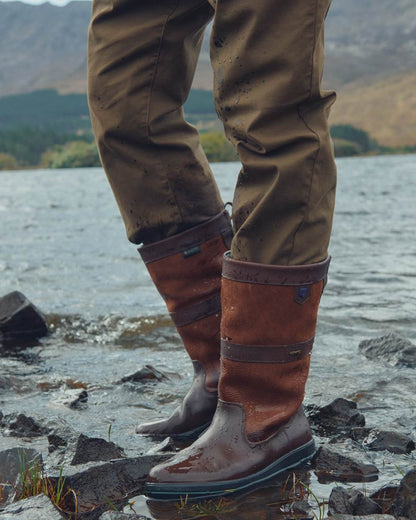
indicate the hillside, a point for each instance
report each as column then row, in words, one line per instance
column 370, row 47
column 386, row 109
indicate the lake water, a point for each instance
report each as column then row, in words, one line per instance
column 63, row 246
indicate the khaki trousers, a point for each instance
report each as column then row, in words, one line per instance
column 267, row 57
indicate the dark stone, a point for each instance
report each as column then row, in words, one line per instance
column 391, row 348
column 89, row 449
column 114, row 515
column 20, row 425
column 359, row 434
column 351, row 502
column 166, row 446
column 147, row 373
column 33, row 508
column 10, row 462
column 389, row 440
column 385, row 496
column 61, row 435
column 55, row 442
column 97, row 482
column 331, row 466
column 405, row 502
column 20, row 319
column 298, row 508
column 339, row 501
column 362, row 505
column 340, row 416
column 74, row 398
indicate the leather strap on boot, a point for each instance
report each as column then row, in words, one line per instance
column 268, row 329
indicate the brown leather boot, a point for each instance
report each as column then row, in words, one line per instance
column 186, row 269
column 259, row 428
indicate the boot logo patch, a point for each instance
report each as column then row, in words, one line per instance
column 302, row 293
column 191, row 251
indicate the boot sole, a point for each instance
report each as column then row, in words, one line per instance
column 191, row 491
column 190, row 435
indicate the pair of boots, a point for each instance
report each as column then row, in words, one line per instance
column 250, row 403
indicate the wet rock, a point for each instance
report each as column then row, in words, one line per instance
column 339, row 501
column 11, row 461
column 147, row 373
column 60, row 435
column 166, row 446
column 20, row 319
column 115, row 515
column 95, row 483
column 33, row 508
column 391, row 348
column 90, row 449
column 331, row 466
column 21, row 425
column 359, row 434
column 351, row 502
column 299, row 509
column 74, row 398
column 385, row 496
column 405, row 501
column 361, row 517
column 395, row 442
column 340, row 416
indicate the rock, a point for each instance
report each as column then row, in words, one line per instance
column 405, row 502
column 33, row 508
column 166, row 446
column 298, row 508
column 339, row 501
column 363, row 505
column 95, row 483
column 20, row 319
column 89, row 449
column 11, row 461
column 351, row 501
column 115, row 515
column 385, row 496
column 366, row 517
column 331, row 466
column 379, row 440
column 20, row 425
column 359, row 434
column 340, row 416
column 147, row 373
column 74, row 398
column 391, row 348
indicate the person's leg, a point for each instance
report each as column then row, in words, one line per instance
column 141, row 61
column 268, row 60
column 142, row 58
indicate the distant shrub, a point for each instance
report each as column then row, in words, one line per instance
column 345, row 148
column 75, row 154
column 355, row 135
column 8, row 162
column 217, row 148
column 27, row 144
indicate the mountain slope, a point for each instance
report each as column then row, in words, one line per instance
column 370, row 48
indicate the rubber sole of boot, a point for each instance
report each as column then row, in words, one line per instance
column 188, row 436
column 190, row 491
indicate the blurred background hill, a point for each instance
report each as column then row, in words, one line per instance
column 371, row 62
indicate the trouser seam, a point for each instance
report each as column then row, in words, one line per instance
column 156, row 66
column 299, row 110
column 149, row 102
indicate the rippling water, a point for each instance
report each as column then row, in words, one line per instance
column 63, row 245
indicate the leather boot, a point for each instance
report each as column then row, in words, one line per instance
column 259, row 428
column 186, row 269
